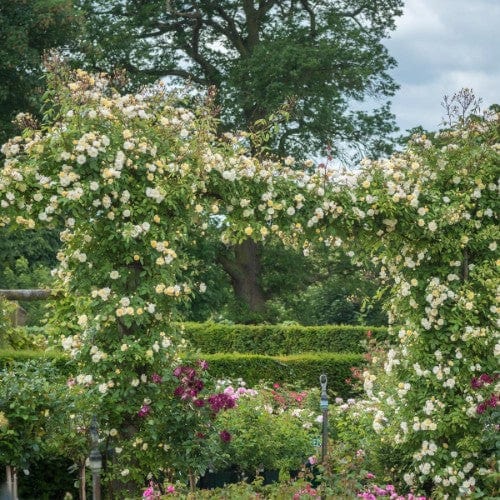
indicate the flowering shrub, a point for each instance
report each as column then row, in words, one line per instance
column 432, row 227
column 388, row 491
column 270, row 429
column 28, row 403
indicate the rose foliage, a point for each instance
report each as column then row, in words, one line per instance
column 137, row 180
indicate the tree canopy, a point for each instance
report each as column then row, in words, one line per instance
column 323, row 58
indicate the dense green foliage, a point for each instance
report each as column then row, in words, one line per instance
column 274, row 340
column 321, row 57
column 426, row 216
column 28, row 29
column 324, row 288
column 26, row 258
column 8, row 357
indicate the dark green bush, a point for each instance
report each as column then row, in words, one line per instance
column 49, row 478
column 303, row 369
column 276, row 340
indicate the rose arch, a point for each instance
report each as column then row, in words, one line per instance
column 136, row 181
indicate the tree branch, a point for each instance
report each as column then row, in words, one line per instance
column 188, row 15
column 354, row 13
column 253, row 24
column 232, row 33
column 160, row 72
column 230, row 267
column 312, row 17
column 192, row 51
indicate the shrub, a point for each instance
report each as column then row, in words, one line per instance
column 270, row 429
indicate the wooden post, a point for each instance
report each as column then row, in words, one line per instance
column 8, row 479
column 29, row 295
column 82, row 487
column 14, row 484
column 11, row 473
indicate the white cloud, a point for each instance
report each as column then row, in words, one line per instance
column 441, row 47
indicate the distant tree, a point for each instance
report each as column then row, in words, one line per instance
column 27, row 29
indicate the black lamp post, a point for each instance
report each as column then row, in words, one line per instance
column 95, row 460
column 323, row 404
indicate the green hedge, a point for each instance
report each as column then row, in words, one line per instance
column 9, row 356
column 303, row 369
column 276, row 340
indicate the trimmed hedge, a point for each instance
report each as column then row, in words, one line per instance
column 274, row 340
column 303, row 369
column 10, row 356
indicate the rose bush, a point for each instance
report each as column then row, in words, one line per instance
column 428, row 217
column 270, row 429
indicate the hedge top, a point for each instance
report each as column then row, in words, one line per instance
column 276, row 340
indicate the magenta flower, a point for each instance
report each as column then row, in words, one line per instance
column 170, row 489
column 476, row 383
column 155, row 378
column 149, row 492
column 486, row 379
column 492, row 402
column 481, row 408
column 220, row 402
column 203, row 364
column 225, row 436
column 369, row 475
column 144, row 411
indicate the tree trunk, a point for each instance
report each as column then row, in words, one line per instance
column 244, row 270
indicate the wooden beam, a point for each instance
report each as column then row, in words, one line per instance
column 29, row 294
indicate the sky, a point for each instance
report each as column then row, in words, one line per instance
column 442, row 46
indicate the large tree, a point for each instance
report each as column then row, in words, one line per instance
column 325, row 56
column 321, row 59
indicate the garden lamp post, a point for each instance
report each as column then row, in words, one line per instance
column 323, row 404
column 95, row 460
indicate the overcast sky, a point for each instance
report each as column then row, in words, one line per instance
column 442, row 46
